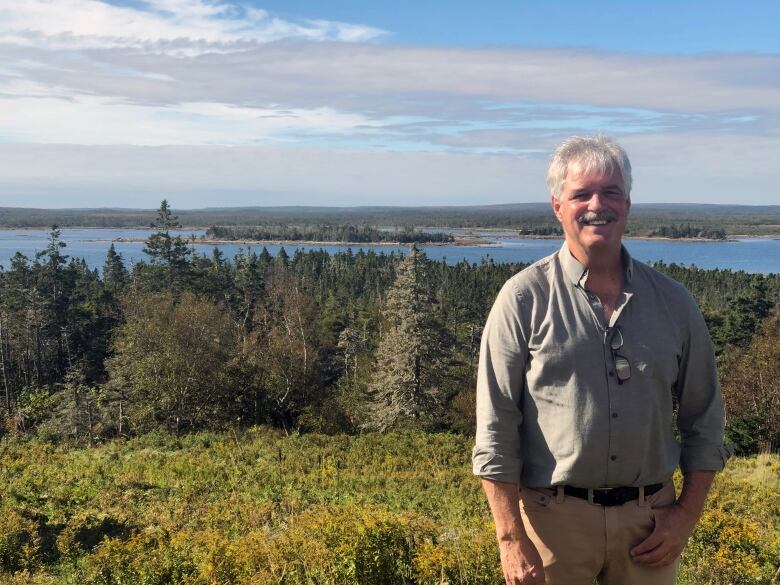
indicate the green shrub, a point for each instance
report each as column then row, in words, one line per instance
column 151, row 557
column 86, row 530
column 465, row 556
column 339, row 546
column 261, row 508
column 727, row 549
column 20, row 543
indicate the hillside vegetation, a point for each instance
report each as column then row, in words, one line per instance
column 264, row 508
column 325, row 233
column 661, row 219
column 200, row 420
column 342, row 343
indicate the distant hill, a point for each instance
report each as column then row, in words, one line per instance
column 645, row 217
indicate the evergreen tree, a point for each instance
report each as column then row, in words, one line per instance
column 52, row 289
column 249, row 285
column 406, row 385
column 53, row 256
column 78, row 414
column 265, row 259
column 115, row 275
column 161, row 247
column 743, row 315
column 282, row 258
column 217, row 280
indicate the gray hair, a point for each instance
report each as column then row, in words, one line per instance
column 597, row 154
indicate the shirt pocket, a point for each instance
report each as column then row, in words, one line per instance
column 658, row 362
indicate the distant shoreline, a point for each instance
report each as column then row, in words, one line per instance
column 457, row 242
column 474, row 241
column 471, row 237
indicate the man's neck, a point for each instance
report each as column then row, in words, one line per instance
column 605, row 275
column 602, row 264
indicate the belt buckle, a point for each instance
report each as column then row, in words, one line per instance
column 606, row 492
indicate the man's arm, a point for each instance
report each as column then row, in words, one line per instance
column 674, row 524
column 700, row 422
column 520, row 560
column 503, row 352
column 497, row 455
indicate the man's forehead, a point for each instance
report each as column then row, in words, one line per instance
column 577, row 172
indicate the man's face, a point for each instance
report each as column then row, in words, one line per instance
column 593, row 211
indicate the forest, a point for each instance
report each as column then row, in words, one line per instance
column 756, row 220
column 346, row 342
column 304, row 364
column 688, row 231
column 326, row 233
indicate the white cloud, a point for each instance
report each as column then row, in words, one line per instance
column 179, row 27
column 415, row 80
column 198, row 96
column 314, row 90
column 60, row 117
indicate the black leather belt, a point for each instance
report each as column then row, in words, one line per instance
column 616, row 496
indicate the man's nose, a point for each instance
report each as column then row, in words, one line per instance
column 596, row 201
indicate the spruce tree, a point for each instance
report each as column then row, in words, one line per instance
column 249, row 288
column 169, row 255
column 406, row 385
column 160, row 246
column 115, row 275
column 282, row 258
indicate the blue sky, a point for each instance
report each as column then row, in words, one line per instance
column 215, row 102
column 659, row 26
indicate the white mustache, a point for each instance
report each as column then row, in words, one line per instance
column 592, row 216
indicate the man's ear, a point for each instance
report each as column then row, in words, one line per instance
column 556, row 208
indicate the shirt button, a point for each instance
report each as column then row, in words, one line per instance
column 611, row 373
column 613, row 457
column 614, row 415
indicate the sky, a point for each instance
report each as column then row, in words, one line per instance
column 213, row 103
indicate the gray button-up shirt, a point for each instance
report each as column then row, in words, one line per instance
column 551, row 409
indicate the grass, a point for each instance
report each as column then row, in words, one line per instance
column 265, row 508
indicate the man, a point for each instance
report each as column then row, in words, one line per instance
column 588, row 361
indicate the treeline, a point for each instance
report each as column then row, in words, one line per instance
column 543, row 230
column 313, row 342
column 688, row 231
column 346, row 233
column 733, row 219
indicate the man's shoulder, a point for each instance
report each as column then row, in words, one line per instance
column 535, row 277
column 662, row 283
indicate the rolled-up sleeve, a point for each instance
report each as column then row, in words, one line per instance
column 700, row 417
column 497, row 454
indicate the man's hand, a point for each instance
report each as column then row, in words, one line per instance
column 673, row 526
column 521, row 562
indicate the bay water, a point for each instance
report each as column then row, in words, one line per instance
column 756, row 255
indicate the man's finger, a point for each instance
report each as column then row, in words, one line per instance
column 652, row 557
column 650, row 543
column 665, row 560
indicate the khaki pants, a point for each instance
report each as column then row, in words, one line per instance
column 581, row 542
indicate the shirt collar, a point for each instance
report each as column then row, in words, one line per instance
column 578, row 274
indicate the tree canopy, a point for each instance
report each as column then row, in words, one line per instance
column 308, row 341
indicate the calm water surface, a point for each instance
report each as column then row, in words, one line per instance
column 760, row 255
